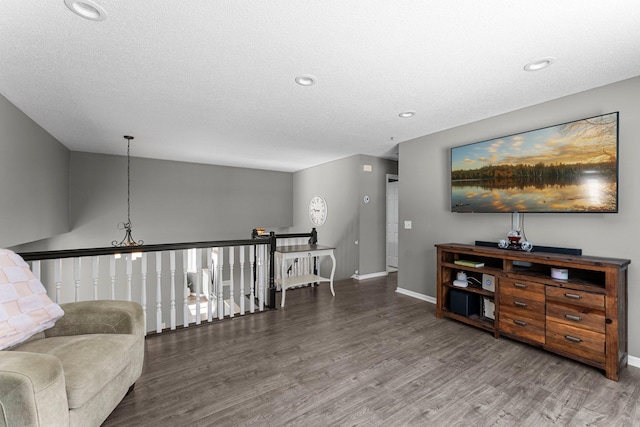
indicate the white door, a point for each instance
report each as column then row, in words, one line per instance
column 392, row 223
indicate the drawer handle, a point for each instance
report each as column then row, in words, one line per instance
column 572, row 317
column 573, row 296
column 519, row 304
column 520, row 322
column 573, row 339
column 520, row 285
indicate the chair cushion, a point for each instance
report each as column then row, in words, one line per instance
column 25, row 308
column 89, row 362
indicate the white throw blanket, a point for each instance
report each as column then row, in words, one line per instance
column 25, row 308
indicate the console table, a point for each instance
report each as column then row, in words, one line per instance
column 299, row 251
column 583, row 317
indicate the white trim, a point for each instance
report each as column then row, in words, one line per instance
column 413, row 294
column 633, row 361
column 370, row 275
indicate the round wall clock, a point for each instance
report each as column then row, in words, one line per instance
column 318, row 210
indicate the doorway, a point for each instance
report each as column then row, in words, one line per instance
column 392, row 223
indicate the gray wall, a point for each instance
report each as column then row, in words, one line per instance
column 34, row 174
column 424, row 194
column 170, row 201
column 373, row 215
column 338, row 183
column 343, row 184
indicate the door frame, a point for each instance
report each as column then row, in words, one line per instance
column 389, row 178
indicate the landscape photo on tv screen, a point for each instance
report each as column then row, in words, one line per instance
column 571, row 167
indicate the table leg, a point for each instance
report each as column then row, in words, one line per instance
column 333, row 271
column 283, row 261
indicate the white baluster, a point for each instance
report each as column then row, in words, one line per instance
column 265, row 280
column 306, row 261
column 294, row 262
column 302, row 262
column 95, row 273
column 232, row 301
column 220, row 284
column 198, row 283
column 278, row 271
column 172, row 263
column 241, row 250
column 210, row 285
column 129, row 261
column 252, row 284
column 185, row 288
column 143, row 295
column 261, row 286
column 112, row 274
column 76, row 278
column 57, row 277
column 35, row 268
column 159, row 292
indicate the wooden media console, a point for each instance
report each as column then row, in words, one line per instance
column 583, row 317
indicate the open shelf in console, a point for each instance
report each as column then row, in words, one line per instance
column 477, row 321
column 485, row 261
column 475, row 289
column 588, row 279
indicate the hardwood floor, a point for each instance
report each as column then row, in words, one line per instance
column 369, row 357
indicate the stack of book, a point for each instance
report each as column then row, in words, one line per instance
column 467, row 263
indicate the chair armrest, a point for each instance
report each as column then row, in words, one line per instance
column 32, row 390
column 99, row 317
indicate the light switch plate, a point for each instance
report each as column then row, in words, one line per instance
column 407, row 225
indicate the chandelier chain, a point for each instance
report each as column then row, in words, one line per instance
column 128, row 239
column 128, row 181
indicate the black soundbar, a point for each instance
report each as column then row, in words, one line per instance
column 536, row 248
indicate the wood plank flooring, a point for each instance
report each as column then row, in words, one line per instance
column 368, row 357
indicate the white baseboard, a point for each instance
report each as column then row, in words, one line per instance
column 413, row 294
column 633, row 361
column 370, row 275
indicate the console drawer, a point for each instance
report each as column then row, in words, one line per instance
column 522, row 326
column 578, row 341
column 522, row 289
column 579, row 317
column 522, row 307
column 573, row 297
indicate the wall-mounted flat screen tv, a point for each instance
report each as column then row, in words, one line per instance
column 570, row 167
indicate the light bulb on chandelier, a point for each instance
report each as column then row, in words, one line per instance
column 128, row 239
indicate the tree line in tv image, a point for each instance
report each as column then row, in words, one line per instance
column 572, row 167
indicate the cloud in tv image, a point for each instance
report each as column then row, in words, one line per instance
column 571, row 167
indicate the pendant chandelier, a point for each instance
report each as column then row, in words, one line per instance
column 126, row 226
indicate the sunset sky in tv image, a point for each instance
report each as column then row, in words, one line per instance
column 581, row 141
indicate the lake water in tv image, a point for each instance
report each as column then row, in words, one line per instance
column 589, row 194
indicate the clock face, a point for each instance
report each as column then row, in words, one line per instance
column 318, row 210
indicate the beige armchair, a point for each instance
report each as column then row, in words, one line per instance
column 77, row 372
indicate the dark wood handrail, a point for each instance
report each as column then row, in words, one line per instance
column 313, row 235
column 74, row 253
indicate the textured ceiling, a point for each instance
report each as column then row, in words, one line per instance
column 213, row 81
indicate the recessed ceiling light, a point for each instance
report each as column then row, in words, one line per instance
column 539, row 64
column 306, row 80
column 88, row 9
column 407, row 114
